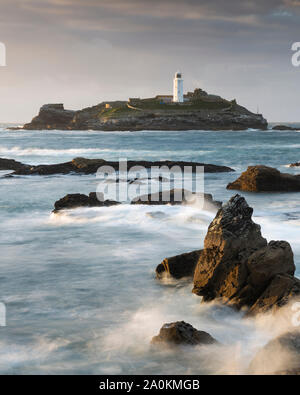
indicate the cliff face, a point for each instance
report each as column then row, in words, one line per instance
column 208, row 113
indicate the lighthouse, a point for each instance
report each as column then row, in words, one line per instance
column 178, row 88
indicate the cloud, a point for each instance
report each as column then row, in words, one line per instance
column 82, row 52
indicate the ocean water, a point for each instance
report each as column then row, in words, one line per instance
column 80, row 288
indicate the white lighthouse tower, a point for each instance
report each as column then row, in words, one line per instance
column 178, row 88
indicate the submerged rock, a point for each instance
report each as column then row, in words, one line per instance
column 279, row 356
column 296, row 164
column 90, row 166
column 183, row 333
column 75, row 200
column 178, row 266
column 284, row 127
column 266, row 179
column 178, row 196
column 10, row 164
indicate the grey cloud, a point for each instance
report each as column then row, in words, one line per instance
column 85, row 51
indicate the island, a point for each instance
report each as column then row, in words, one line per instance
column 197, row 110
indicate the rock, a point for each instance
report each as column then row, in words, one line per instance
column 79, row 200
column 279, row 356
column 266, row 179
column 284, row 127
column 278, row 293
column 178, row 196
column 183, row 333
column 204, row 112
column 232, row 236
column 178, row 266
column 239, row 268
column 10, row 164
column 157, row 214
column 90, row 166
column 296, row 164
column 276, row 258
column 51, row 116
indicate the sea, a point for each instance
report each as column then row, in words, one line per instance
column 79, row 289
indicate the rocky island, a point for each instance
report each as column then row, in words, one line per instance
column 198, row 111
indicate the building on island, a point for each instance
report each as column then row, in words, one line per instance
column 178, row 88
column 164, row 98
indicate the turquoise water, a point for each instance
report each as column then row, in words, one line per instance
column 80, row 289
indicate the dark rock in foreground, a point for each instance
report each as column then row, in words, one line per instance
column 179, row 266
column 238, row 267
column 178, row 196
column 10, row 164
column 284, row 127
column 90, row 166
column 280, row 356
column 180, row 332
column 266, row 179
column 80, row 200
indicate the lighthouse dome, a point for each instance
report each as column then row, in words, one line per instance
column 178, row 74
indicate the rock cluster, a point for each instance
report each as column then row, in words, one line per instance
column 180, row 332
column 97, row 200
column 265, row 179
column 237, row 266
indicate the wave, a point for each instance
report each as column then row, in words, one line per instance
column 32, row 151
column 18, row 151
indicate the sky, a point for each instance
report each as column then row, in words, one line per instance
column 83, row 52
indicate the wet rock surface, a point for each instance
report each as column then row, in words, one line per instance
column 178, row 196
column 178, row 266
column 180, row 332
column 266, row 179
column 89, row 166
column 239, row 267
column 11, row 164
column 296, row 164
column 75, row 200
